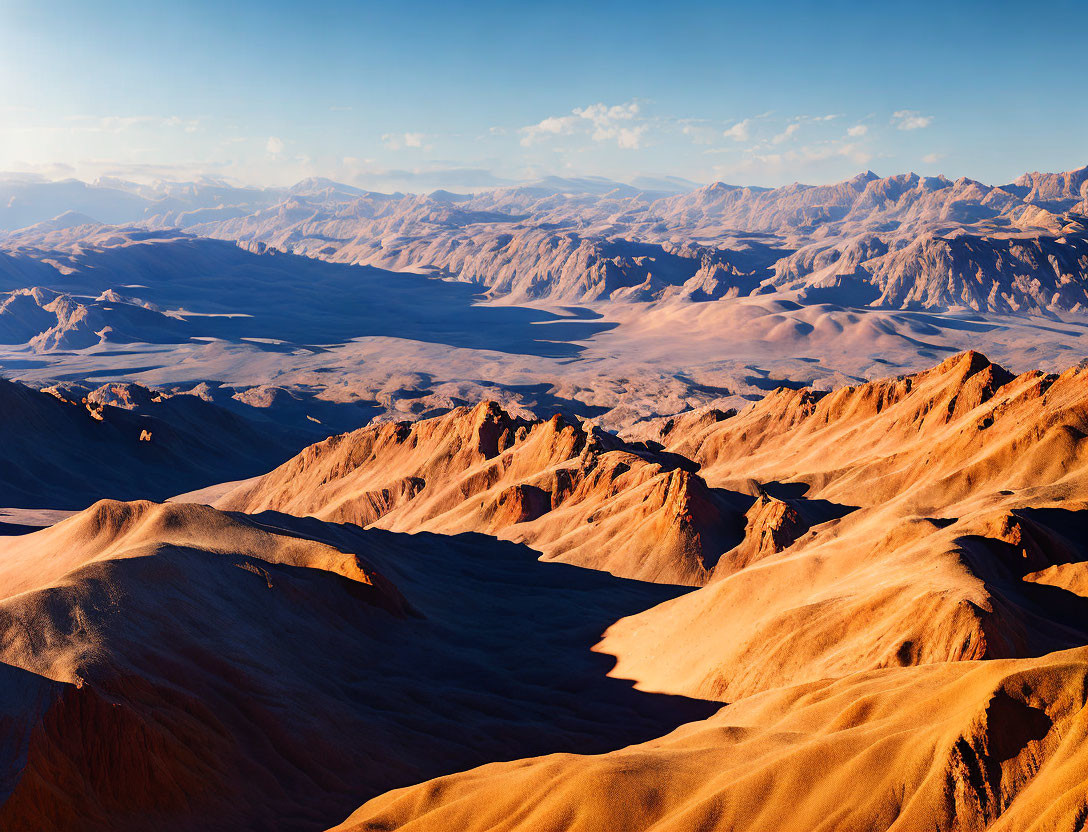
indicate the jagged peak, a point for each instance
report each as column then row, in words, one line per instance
column 966, row 364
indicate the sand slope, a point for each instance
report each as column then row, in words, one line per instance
column 897, row 666
column 969, row 489
column 177, row 667
column 888, row 629
column 965, row 746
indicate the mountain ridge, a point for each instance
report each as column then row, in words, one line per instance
column 1031, row 233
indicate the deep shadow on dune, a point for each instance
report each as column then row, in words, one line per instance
column 535, row 621
column 768, row 384
column 11, row 529
column 938, row 322
column 1047, row 537
column 297, row 695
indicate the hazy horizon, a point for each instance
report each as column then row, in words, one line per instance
column 661, row 182
column 392, row 99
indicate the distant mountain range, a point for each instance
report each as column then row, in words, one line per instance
column 901, row 242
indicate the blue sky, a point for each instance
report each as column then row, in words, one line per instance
column 413, row 96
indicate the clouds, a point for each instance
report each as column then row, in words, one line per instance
column 188, row 125
column 400, row 141
column 615, row 140
column 739, row 132
column 835, row 158
column 601, row 123
column 614, row 123
column 910, row 120
column 787, row 133
column 551, row 126
column 777, row 149
column 762, row 129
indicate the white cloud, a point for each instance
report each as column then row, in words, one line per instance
column 797, row 121
column 399, row 141
column 630, row 138
column 739, row 132
column 604, row 118
column 188, row 125
column 551, row 126
column 620, row 123
column 789, row 131
column 932, row 158
column 857, row 130
column 910, row 120
column 795, row 163
column 274, row 146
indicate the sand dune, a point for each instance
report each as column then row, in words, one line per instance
column 886, row 545
column 889, row 628
column 928, row 440
column 176, row 665
column 897, row 666
column 964, row 746
column 953, row 471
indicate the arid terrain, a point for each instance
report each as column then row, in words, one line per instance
column 563, row 507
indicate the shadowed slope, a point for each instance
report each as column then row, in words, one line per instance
column 214, row 289
column 217, row 671
column 64, row 452
column 966, row 746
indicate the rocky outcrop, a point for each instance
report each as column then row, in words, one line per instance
column 772, row 525
column 49, row 321
column 576, row 494
column 1004, row 275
